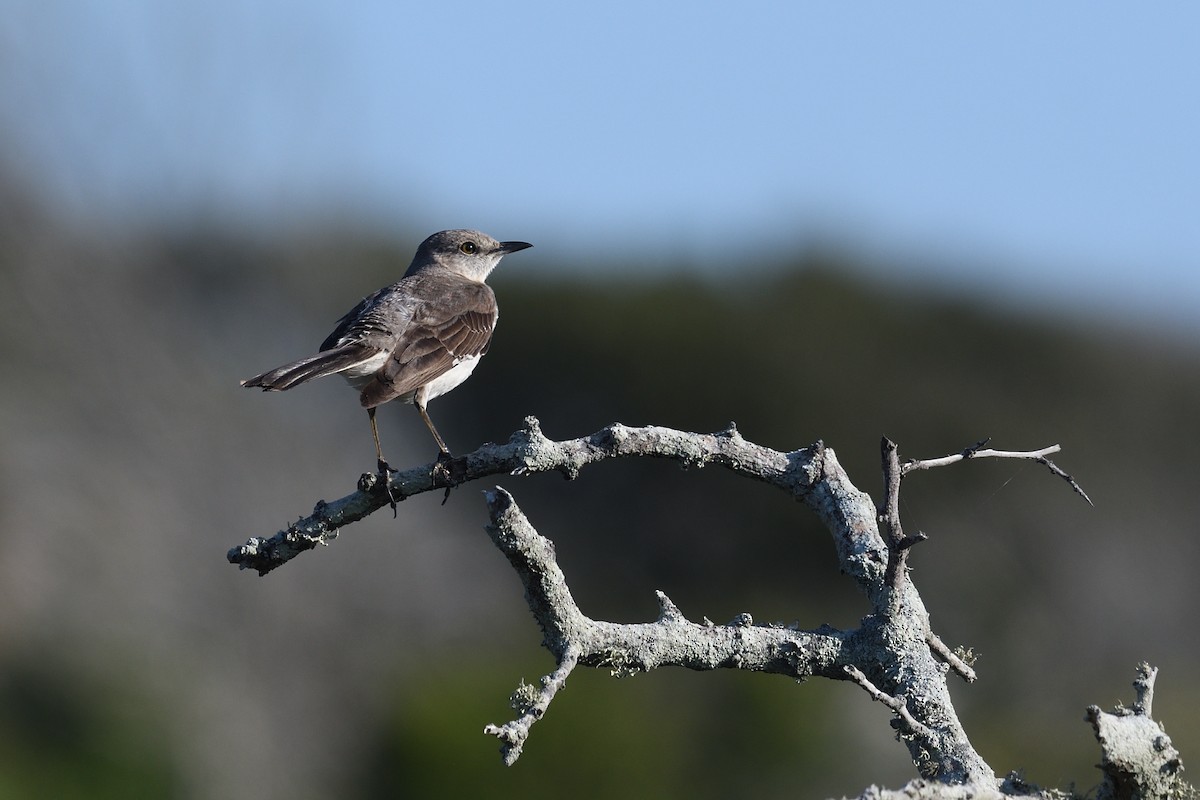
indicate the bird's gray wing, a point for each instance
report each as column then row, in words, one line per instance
column 361, row 321
column 441, row 333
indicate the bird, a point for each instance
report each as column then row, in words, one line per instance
column 416, row 339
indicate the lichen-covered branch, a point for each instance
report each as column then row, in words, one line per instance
column 671, row 640
column 802, row 473
column 1137, row 757
column 893, row 654
column 890, row 646
column 531, row 703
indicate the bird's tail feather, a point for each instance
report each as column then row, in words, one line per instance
column 327, row 362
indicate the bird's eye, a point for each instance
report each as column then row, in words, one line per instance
column 470, row 248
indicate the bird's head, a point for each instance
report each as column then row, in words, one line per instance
column 469, row 253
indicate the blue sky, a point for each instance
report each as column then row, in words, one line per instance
column 1044, row 150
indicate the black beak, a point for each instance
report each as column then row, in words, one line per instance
column 512, row 247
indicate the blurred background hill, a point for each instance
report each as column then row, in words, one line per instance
column 176, row 215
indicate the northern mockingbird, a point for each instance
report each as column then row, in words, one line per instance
column 416, row 339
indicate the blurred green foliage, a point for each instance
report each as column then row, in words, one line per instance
column 646, row 735
column 67, row 733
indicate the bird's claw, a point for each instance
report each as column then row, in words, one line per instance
column 443, row 473
column 385, row 472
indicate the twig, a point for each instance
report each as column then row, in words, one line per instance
column 1059, row 472
column 532, row 704
column 939, row 648
column 976, row 451
column 896, row 704
column 889, row 517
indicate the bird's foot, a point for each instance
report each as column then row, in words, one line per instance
column 446, row 473
column 385, row 472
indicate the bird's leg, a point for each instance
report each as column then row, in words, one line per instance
column 384, row 466
column 445, row 451
column 441, row 470
column 385, row 469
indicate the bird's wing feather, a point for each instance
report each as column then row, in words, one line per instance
column 327, row 362
column 459, row 325
column 365, row 319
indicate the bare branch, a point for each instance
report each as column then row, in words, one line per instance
column 956, row 663
column 896, row 704
column 1057, row 471
column 976, row 451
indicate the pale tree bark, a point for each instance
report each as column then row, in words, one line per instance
column 893, row 655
